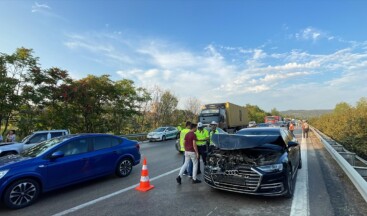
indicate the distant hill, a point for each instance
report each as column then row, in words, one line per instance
column 305, row 114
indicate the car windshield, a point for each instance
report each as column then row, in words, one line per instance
column 26, row 138
column 161, row 129
column 43, row 147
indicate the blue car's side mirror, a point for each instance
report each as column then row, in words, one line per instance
column 58, row 154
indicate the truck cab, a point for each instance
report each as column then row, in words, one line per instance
column 214, row 112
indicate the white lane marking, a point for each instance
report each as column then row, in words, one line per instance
column 212, row 211
column 300, row 202
column 76, row 208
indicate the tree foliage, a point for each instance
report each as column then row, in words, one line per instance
column 255, row 113
column 347, row 125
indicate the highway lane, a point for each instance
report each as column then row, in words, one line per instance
column 329, row 191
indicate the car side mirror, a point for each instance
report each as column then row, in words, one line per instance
column 292, row 144
column 55, row 155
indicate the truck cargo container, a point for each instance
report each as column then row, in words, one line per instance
column 230, row 117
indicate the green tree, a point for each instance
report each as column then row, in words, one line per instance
column 14, row 69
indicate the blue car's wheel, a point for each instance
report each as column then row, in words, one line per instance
column 124, row 167
column 21, row 193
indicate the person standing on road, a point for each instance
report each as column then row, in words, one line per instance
column 191, row 154
column 182, row 140
column 213, row 130
column 202, row 136
column 305, row 129
column 291, row 128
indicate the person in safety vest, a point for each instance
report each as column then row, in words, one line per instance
column 182, row 141
column 213, row 130
column 202, row 136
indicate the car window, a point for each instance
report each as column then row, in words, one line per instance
column 75, row 147
column 37, row 138
column 56, row 134
column 102, row 142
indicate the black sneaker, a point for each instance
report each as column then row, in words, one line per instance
column 178, row 179
column 195, row 181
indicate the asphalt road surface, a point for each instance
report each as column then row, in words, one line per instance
column 321, row 189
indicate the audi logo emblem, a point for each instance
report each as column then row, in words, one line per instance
column 231, row 172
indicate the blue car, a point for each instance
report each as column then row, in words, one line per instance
column 63, row 161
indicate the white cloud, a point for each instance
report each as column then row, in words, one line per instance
column 263, row 77
column 313, row 34
column 39, row 7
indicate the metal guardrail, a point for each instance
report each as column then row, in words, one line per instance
column 139, row 136
column 354, row 166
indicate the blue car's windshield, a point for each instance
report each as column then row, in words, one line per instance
column 43, row 146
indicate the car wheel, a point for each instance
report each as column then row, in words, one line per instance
column 21, row 193
column 289, row 183
column 300, row 163
column 124, row 167
column 163, row 138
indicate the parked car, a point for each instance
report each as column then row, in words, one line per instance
column 260, row 161
column 252, row 124
column 63, row 161
column 177, row 145
column 163, row 133
column 30, row 141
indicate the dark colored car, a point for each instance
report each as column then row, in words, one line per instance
column 264, row 125
column 63, row 161
column 260, row 161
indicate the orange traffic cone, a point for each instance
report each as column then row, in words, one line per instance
column 144, row 179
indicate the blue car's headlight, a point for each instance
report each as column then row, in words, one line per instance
column 3, row 173
column 271, row 168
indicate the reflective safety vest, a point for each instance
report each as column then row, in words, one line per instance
column 211, row 134
column 182, row 138
column 202, row 136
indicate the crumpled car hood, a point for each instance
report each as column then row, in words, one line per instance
column 234, row 141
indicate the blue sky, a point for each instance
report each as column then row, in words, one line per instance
column 274, row 54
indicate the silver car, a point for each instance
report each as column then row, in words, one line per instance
column 163, row 133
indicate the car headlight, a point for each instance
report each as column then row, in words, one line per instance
column 3, row 173
column 271, row 168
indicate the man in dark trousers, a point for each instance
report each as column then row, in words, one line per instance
column 191, row 153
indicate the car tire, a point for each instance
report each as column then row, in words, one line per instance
column 124, row 167
column 163, row 138
column 21, row 193
column 300, row 163
column 289, row 183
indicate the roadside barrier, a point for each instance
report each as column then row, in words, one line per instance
column 354, row 166
column 139, row 136
column 144, row 179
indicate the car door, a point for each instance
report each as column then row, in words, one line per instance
column 293, row 153
column 170, row 133
column 105, row 156
column 73, row 167
column 35, row 139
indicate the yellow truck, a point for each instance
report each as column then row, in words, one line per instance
column 230, row 117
